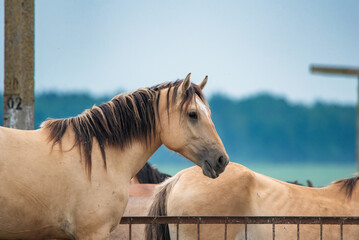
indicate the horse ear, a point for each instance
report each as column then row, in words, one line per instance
column 182, row 89
column 203, row 83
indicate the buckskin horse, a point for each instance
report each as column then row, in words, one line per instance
column 242, row 192
column 70, row 178
column 142, row 189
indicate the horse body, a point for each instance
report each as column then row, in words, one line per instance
column 22, row 198
column 137, row 206
column 242, row 192
column 71, row 178
column 45, row 192
column 142, row 189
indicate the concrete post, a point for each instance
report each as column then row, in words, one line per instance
column 357, row 128
column 19, row 64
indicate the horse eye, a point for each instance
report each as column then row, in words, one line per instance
column 193, row 115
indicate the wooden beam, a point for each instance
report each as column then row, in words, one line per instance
column 19, row 64
column 335, row 70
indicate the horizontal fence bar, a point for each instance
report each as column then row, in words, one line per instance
column 239, row 220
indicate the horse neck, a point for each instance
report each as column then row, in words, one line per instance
column 336, row 190
column 137, row 154
column 132, row 158
column 355, row 196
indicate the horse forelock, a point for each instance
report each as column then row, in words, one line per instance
column 348, row 185
column 189, row 96
column 125, row 118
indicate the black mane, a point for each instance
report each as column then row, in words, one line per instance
column 119, row 122
column 348, row 184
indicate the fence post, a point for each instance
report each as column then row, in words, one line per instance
column 19, row 64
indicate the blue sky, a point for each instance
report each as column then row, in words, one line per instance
column 244, row 47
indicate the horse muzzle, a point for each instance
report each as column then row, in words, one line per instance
column 212, row 169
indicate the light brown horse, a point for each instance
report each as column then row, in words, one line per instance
column 242, row 192
column 139, row 204
column 70, row 179
column 142, row 189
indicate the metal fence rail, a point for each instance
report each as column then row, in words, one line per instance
column 198, row 220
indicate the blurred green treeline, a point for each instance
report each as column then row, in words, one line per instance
column 263, row 127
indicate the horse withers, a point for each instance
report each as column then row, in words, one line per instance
column 242, row 192
column 70, row 179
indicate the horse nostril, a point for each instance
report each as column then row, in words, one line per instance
column 221, row 161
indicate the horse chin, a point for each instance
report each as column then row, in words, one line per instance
column 208, row 170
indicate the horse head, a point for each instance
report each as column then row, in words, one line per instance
column 187, row 128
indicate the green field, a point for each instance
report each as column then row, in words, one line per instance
column 320, row 175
